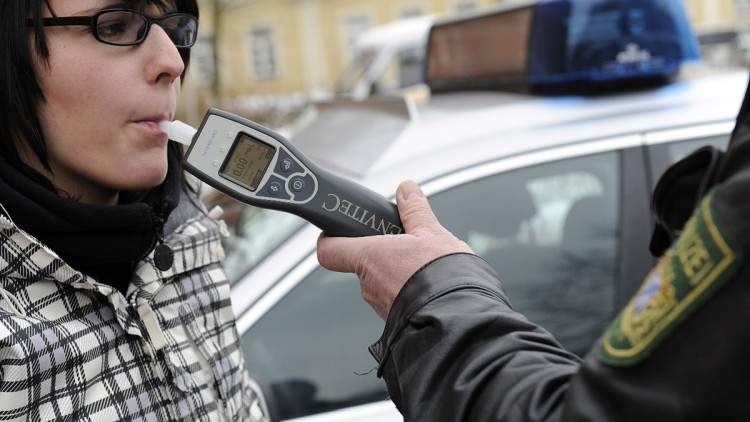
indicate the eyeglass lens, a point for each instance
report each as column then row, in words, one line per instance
column 126, row 27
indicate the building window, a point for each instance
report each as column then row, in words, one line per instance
column 263, row 52
column 742, row 6
column 203, row 61
column 410, row 12
column 461, row 6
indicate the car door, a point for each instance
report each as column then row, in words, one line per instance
column 552, row 232
column 549, row 223
column 643, row 168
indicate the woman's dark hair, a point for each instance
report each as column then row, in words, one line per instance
column 20, row 93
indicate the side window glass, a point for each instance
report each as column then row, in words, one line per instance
column 551, row 232
column 310, row 349
column 403, row 70
column 665, row 154
column 679, row 150
column 356, row 71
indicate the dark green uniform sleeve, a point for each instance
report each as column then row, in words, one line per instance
column 679, row 351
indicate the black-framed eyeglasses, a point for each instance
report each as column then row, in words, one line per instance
column 128, row 27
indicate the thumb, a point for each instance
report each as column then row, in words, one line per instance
column 414, row 209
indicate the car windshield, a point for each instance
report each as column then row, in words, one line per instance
column 401, row 70
column 356, row 71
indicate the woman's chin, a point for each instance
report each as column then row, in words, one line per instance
column 144, row 179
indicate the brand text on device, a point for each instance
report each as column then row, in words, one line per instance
column 335, row 204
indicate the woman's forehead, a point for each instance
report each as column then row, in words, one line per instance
column 68, row 8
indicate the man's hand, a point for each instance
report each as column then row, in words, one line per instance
column 384, row 263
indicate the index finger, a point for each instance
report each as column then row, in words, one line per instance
column 338, row 253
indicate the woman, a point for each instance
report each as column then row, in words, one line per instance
column 113, row 301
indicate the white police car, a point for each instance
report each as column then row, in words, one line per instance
column 553, row 190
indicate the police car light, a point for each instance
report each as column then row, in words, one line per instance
column 560, row 45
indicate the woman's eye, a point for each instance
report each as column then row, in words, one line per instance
column 120, row 26
column 112, row 29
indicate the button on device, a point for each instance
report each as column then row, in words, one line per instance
column 302, row 186
column 297, row 184
column 275, row 188
column 287, row 164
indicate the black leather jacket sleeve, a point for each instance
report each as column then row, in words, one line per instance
column 454, row 350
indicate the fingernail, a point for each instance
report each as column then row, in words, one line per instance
column 412, row 191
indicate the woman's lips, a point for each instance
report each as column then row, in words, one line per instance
column 151, row 124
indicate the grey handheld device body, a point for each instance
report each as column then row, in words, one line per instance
column 259, row 167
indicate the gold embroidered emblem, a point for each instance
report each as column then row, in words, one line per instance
column 697, row 264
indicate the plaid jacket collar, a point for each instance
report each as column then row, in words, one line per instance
column 25, row 260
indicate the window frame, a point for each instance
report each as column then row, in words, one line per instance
column 258, row 68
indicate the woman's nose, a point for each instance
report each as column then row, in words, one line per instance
column 165, row 60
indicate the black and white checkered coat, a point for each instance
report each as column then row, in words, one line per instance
column 73, row 349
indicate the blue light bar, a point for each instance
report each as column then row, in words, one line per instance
column 605, row 40
column 561, row 45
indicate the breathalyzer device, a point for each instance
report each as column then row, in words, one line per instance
column 259, row 167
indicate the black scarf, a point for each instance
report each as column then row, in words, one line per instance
column 100, row 240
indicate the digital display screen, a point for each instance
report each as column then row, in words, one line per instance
column 247, row 161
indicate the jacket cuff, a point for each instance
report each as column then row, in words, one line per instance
column 435, row 279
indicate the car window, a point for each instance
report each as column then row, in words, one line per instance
column 549, row 230
column 403, row 70
column 257, row 233
column 679, row 150
column 662, row 155
column 551, row 233
column 310, row 349
column 356, row 71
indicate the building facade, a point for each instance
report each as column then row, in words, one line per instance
column 266, row 58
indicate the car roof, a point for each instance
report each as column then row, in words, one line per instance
column 454, row 130
column 403, row 32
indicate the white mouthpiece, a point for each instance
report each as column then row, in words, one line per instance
column 178, row 131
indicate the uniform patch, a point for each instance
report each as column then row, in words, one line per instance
column 688, row 274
